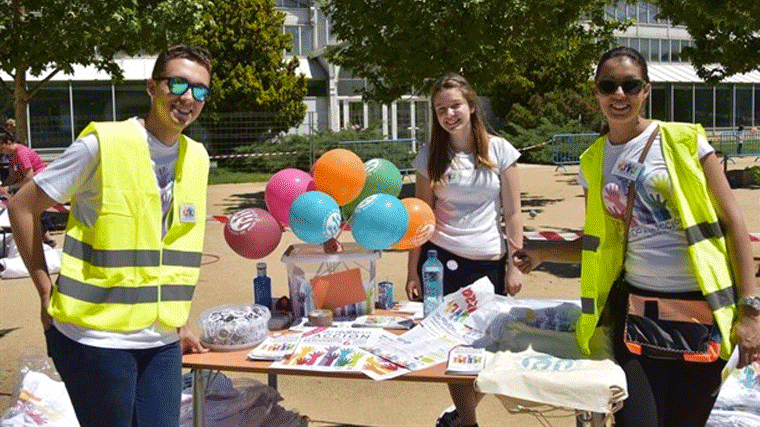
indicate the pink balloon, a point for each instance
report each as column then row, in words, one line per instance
column 252, row 233
column 284, row 187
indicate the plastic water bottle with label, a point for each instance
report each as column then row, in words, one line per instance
column 432, row 283
column 262, row 286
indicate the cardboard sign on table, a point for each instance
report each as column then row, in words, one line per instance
column 338, row 289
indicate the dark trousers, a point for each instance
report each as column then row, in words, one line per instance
column 459, row 272
column 119, row 388
column 666, row 393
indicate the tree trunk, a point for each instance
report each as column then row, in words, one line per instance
column 20, row 100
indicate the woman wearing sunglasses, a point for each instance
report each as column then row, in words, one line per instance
column 665, row 239
column 115, row 319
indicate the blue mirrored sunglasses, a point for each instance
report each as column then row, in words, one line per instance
column 178, row 86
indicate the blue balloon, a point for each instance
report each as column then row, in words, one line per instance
column 379, row 221
column 314, row 217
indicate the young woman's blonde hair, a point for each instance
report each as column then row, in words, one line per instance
column 440, row 146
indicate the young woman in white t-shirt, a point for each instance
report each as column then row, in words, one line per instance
column 470, row 179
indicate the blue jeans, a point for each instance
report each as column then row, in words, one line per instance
column 119, row 388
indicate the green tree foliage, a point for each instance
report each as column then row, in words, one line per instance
column 505, row 48
column 47, row 37
column 726, row 34
column 250, row 73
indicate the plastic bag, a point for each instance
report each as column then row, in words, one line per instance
column 41, row 400
column 250, row 404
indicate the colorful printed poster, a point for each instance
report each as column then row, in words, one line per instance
column 276, row 347
column 338, row 349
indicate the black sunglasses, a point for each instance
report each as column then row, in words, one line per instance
column 630, row 87
column 178, row 86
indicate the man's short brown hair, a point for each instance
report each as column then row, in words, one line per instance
column 192, row 53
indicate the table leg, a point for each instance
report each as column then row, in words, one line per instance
column 199, row 398
column 272, row 380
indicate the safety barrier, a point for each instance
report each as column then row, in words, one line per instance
column 566, row 148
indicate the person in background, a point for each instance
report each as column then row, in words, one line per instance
column 686, row 238
column 739, row 139
column 23, row 164
column 115, row 318
column 10, row 126
column 470, row 179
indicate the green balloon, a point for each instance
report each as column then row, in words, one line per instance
column 382, row 177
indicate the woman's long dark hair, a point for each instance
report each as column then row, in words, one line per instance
column 616, row 52
column 440, row 157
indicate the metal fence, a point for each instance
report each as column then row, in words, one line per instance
column 566, row 148
column 400, row 152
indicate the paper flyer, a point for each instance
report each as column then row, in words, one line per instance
column 275, row 347
column 338, row 349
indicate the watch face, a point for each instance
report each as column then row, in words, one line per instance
column 753, row 302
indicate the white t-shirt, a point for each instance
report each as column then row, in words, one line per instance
column 657, row 257
column 468, row 203
column 73, row 176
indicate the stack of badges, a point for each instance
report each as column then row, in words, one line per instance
column 234, row 327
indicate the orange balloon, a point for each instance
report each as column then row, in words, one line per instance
column 421, row 223
column 339, row 173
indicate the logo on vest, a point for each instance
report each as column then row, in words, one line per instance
column 187, row 213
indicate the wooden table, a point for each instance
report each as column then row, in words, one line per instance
column 238, row 362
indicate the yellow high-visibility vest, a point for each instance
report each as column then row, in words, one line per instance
column 602, row 242
column 121, row 274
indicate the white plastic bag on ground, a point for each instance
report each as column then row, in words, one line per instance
column 738, row 404
column 13, row 267
column 42, row 401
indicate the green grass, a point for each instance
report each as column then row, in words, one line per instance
column 226, row 176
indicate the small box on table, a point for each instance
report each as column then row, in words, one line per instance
column 305, row 263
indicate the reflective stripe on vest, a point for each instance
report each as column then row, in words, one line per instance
column 121, row 274
column 601, row 262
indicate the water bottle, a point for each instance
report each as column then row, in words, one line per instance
column 262, row 286
column 308, row 298
column 432, row 283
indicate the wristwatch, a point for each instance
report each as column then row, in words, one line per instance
column 752, row 302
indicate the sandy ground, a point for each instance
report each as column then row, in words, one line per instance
column 553, row 195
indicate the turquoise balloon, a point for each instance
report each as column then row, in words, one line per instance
column 379, row 221
column 382, row 177
column 314, row 217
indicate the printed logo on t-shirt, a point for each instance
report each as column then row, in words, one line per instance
column 651, row 202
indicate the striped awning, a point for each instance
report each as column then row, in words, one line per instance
column 685, row 73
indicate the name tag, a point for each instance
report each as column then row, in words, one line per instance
column 628, row 170
column 187, row 214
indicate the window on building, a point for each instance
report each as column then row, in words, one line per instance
column 683, row 103
column 50, row 117
column 131, row 100
column 654, row 50
column 421, row 114
column 744, row 105
column 92, row 102
column 703, row 106
column 660, row 102
column 295, row 4
column 355, row 115
column 404, row 119
column 724, row 106
column 375, row 116
column 675, row 50
column 349, row 85
column 665, row 51
column 644, row 47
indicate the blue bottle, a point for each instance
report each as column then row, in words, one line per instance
column 432, row 283
column 262, row 286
